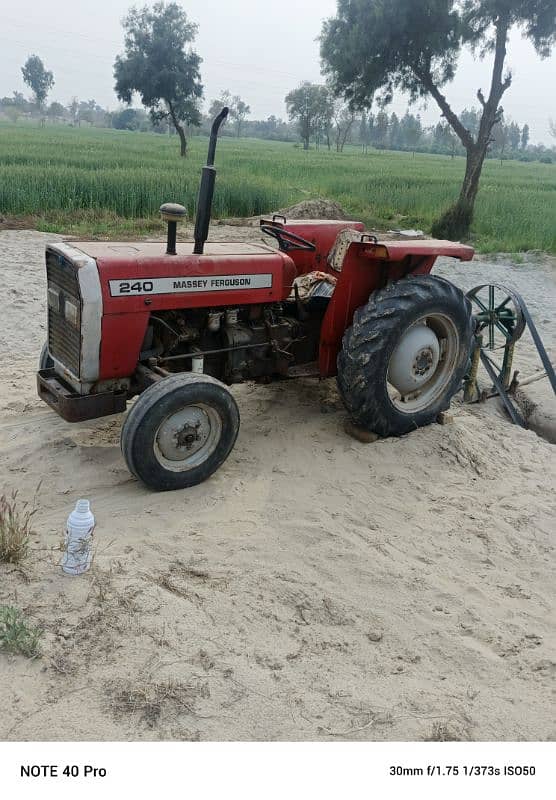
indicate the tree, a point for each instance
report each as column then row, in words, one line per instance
column 380, row 129
column 216, row 106
column 551, row 128
column 395, row 132
column 471, row 119
column 499, row 138
column 238, row 111
column 514, row 136
column 364, row 132
column 372, row 46
column 55, row 111
column 343, row 118
column 159, row 66
column 412, row 130
column 127, row 119
column 89, row 111
column 73, row 110
column 524, row 137
column 38, row 79
column 310, row 105
column 445, row 138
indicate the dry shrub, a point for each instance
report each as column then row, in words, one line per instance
column 16, row 635
column 150, row 699
column 446, row 732
column 15, row 528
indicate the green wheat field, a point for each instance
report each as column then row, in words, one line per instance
column 105, row 182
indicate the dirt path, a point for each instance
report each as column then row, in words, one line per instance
column 314, row 588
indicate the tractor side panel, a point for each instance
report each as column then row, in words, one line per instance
column 122, row 337
column 363, row 272
column 174, row 282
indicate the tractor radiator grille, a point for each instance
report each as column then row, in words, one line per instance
column 64, row 336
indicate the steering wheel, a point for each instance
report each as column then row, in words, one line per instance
column 287, row 240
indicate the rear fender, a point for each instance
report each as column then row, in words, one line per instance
column 366, row 268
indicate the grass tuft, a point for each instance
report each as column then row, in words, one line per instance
column 16, row 635
column 15, row 528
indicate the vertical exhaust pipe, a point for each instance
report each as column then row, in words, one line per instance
column 206, row 189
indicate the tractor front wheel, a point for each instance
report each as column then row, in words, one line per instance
column 179, row 431
column 405, row 355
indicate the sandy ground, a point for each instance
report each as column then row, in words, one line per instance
column 314, row 588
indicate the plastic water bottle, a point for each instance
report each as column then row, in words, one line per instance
column 79, row 539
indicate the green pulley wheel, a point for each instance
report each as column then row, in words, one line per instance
column 499, row 322
column 498, row 315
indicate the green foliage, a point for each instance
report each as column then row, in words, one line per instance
column 16, row 635
column 39, row 79
column 159, row 66
column 127, row 119
column 311, row 107
column 107, row 182
column 535, row 18
column 372, row 46
column 56, row 110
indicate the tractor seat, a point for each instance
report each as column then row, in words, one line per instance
column 337, row 252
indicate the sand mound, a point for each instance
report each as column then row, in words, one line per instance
column 319, row 208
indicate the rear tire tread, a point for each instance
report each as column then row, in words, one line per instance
column 368, row 344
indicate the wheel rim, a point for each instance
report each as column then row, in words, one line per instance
column 422, row 364
column 188, row 437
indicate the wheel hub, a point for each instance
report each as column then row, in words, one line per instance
column 423, row 362
column 415, row 359
column 184, row 433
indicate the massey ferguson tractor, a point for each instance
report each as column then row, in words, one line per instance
column 177, row 328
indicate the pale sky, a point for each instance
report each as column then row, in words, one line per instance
column 255, row 48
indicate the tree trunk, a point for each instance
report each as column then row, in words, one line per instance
column 179, row 130
column 183, row 140
column 456, row 222
column 473, row 166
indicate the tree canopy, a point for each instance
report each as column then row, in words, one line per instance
column 159, row 65
column 39, row 79
column 311, row 107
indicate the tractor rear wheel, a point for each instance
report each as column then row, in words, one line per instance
column 179, row 431
column 405, row 355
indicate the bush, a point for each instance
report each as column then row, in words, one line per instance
column 545, row 159
column 15, row 529
column 16, row 636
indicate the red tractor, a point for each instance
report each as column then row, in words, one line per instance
column 177, row 328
